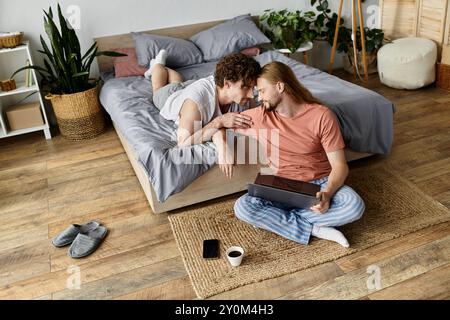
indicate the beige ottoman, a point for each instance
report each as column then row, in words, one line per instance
column 407, row 63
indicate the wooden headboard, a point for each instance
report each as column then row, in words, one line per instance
column 126, row 40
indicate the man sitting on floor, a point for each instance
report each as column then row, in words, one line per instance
column 310, row 148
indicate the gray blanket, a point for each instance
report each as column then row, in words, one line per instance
column 365, row 118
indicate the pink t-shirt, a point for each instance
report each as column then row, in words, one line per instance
column 303, row 139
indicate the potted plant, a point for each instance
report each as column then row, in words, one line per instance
column 288, row 30
column 374, row 39
column 323, row 22
column 325, row 25
column 65, row 79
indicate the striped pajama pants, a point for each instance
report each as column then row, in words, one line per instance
column 296, row 223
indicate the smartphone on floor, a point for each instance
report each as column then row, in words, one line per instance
column 211, row 249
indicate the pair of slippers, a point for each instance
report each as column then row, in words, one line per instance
column 85, row 238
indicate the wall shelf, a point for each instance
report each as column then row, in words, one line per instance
column 21, row 88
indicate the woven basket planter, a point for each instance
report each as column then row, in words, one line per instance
column 79, row 115
column 371, row 59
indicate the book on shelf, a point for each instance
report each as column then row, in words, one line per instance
column 28, row 75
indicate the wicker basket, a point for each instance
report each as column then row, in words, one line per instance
column 8, row 85
column 371, row 59
column 11, row 41
column 79, row 115
column 443, row 76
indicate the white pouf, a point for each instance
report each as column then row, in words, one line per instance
column 407, row 63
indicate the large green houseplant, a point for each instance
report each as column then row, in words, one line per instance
column 65, row 79
column 290, row 29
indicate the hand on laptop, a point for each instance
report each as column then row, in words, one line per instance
column 324, row 204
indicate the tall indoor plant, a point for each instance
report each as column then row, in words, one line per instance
column 65, row 79
column 374, row 39
column 325, row 25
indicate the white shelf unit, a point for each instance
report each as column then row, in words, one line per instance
column 12, row 59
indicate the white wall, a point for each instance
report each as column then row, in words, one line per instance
column 109, row 17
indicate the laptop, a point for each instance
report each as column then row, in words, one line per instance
column 290, row 192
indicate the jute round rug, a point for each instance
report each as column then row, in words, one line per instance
column 394, row 207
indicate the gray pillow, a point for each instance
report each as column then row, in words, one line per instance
column 180, row 52
column 231, row 36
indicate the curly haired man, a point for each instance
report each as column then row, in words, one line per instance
column 201, row 107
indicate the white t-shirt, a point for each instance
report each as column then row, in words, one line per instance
column 203, row 93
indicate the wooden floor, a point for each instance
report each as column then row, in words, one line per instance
column 47, row 185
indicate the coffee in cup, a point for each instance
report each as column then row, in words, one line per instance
column 235, row 255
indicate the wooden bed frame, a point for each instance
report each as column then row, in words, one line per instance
column 212, row 184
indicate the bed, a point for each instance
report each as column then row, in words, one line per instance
column 365, row 118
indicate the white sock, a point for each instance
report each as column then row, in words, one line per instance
column 331, row 234
column 159, row 59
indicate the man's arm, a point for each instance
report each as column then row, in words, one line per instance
column 225, row 155
column 190, row 129
column 339, row 172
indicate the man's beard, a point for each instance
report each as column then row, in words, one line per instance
column 271, row 106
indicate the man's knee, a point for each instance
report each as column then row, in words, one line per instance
column 245, row 207
column 356, row 207
column 240, row 207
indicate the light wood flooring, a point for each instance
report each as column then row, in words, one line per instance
column 47, row 185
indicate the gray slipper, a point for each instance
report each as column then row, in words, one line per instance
column 67, row 236
column 86, row 243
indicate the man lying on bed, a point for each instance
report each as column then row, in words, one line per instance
column 201, row 107
column 310, row 148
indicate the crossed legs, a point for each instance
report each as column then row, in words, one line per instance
column 299, row 224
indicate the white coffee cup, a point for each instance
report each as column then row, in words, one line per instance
column 237, row 253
